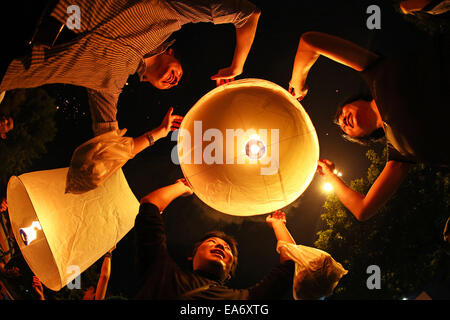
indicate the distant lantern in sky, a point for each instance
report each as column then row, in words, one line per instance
column 247, row 148
column 62, row 234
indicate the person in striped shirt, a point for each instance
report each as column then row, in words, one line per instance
column 118, row 38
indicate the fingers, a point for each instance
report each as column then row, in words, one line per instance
column 319, row 170
column 171, row 121
column 277, row 215
column 325, row 167
column 36, row 282
column 222, row 81
column 175, row 122
column 325, row 162
column 291, row 91
column 294, row 94
column 169, row 113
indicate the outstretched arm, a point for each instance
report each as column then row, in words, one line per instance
column 170, row 122
column 162, row 197
column 245, row 35
column 362, row 206
column 105, row 273
column 277, row 221
column 314, row 44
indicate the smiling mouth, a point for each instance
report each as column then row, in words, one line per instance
column 172, row 79
column 349, row 120
column 218, row 252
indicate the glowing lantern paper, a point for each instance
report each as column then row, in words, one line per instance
column 71, row 231
column 248, row 147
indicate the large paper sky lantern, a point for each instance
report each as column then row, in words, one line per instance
column 247, row 148
column 61, row 235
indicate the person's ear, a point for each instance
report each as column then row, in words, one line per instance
column 170, row 51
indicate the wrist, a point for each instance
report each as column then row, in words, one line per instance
column 156, row 134
column 278, row 223
column 237, row 68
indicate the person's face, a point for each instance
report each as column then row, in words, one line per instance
column 6, row 125
column 356, row 120
column 213, row 255
column 167, row 72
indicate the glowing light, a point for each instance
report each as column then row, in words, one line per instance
column 328, row 187
column 30, row 233
column 338, row 173
column 255, row 148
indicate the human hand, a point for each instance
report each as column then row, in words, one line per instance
column 226, row 75
column 185, row 186
column 276, row 217
column 3, row 205
column 325, row 167
column 297, row 90
column 170, row 122
column 37, row 285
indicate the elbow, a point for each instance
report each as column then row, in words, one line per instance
column 363, row 214
column 310, row 36
column 256, row 13
column 251, row 21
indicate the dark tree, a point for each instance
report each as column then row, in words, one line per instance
column 404, row 239
column 33, row 112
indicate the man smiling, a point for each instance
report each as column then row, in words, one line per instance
column 214, row 258
column 116, row 39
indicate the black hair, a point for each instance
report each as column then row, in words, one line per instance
column 227, row 238
column 376, row 136
column 179, row 53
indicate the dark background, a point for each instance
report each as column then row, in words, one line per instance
column 204, row 49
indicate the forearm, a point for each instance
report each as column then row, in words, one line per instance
column 142, row 142
column 305, row 58
column 162, row 197
column 314, row 44
column 105, row 274
column 351, row 199
column 362, row 206
column 282, row 233
column 244, row 40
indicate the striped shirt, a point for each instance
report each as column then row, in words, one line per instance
column 112, row 40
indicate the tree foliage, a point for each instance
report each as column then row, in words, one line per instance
column 33, row 111
column 404, row 239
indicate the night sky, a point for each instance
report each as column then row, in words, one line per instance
column 205, row 48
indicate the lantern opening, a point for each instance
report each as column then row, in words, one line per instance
column 30, row 233
column 255, row 148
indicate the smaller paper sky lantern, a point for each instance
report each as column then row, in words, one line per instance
column 248, row 147
column 62, row 234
